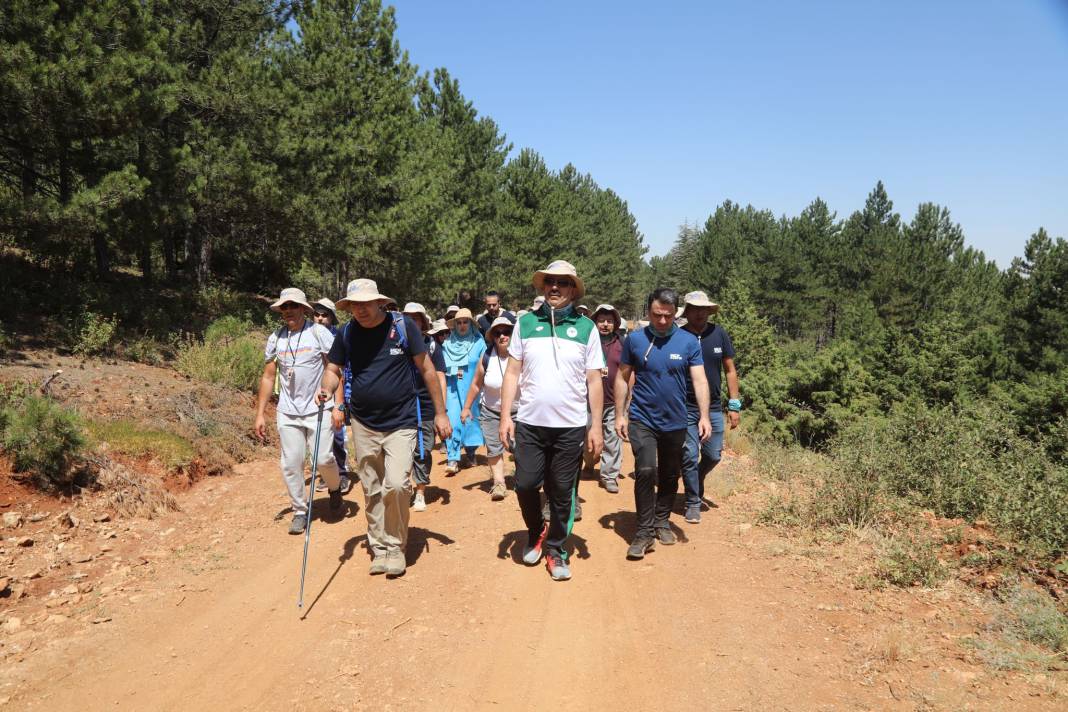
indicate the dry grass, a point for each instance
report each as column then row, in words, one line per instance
column 130, row 493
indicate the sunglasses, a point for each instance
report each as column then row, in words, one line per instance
column 557, row 282
column 291, row 305
column 502, row 332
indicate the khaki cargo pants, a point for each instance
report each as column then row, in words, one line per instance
column 383, row 461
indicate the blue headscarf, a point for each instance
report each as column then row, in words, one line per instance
column 457, row 349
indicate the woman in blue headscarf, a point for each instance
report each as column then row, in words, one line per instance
column 463, row 352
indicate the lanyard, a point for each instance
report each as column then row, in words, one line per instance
column 289, row 344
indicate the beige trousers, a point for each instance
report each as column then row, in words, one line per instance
column 383, row 461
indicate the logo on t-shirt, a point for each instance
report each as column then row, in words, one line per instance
column 538, row 328
column 396, row 352
column 676, row 357
column 572, row 332
column 717, row 350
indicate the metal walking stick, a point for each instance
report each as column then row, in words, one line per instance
column 311, row 493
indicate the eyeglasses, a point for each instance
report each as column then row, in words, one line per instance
column 557, row 282
column 503, row 332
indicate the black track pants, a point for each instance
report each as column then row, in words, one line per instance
column 549, row 456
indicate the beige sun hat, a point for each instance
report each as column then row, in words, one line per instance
column 361, row 290
column 697, row 299
column 499, row 321
column 326, row 304
column 415, row 308
column 611, row 310
column 436, row 327
column 291, row 294
column 464, row 313
column 560, row 268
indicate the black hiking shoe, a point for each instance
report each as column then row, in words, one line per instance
column 640, row 547
column 335, row 500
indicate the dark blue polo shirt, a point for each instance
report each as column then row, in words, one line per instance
column 661, row 365
column 383, row 391
column 715, row 345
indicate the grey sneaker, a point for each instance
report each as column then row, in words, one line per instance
column 545, row 513
column 532, row 551
column 640, row 547
column 578, row 509
column 611, row 486
column 395, row 564
column 498, row 491
column 378, row 566
column 346, row 483
column 693, row 513
column 557, row 566
column 297, row 525
column 665, row 536
column 452, row 468
column 419, row 503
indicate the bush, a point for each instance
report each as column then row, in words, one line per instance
column 129, row 438
column 230, row 354
column 92, row 333
column 43, row 439
column 910, row 561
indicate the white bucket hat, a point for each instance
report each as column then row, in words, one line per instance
column 611, row 310
column 291, row 294
column 560, row 268
column 361, row 290
column 697, row 299
column 452, row 309
column 416, row 308
column 326, row 304
column 437, row 326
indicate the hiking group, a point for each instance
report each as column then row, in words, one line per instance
column 559, row 387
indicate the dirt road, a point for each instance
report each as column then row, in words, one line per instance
column 732, row 617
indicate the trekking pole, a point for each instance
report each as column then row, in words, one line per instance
column 311, row 493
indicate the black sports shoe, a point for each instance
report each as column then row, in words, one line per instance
column 640, row 546
column 665, row 536
column 335, row 499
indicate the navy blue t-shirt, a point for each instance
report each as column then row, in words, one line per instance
column 383, row 390
column 437, row 357
column 661, row 366
column 715, row 345
column 484, row 322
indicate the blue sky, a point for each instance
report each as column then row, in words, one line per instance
column 678, row 106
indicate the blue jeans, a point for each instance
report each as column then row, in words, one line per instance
column 693, row 472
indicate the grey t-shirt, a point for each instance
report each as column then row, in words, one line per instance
column 300, row 366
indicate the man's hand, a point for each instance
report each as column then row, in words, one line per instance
column 595, row 440
column 735, row 417
column 322, row 396
column 260, row 426
column 465, row 415
column 337, row 418
column 506, row 431
column 621, row 427
column 443, row 426
column 704, row 428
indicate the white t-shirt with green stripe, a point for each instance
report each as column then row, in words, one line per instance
column 552, row 383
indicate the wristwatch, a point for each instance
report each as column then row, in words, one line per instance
column 734, row 405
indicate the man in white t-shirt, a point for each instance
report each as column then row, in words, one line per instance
column 555, row 360
column 296, row 356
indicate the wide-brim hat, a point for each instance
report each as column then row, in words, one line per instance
column 582, row 306
column 362, row 290
column 328, row 305
column 697, row 299
column 417, row 308
column 464, row 313
column 291, row 294
column 560, row 268
column 451, row 309
column 499, row 321
column 611, row 310
column 436, row 327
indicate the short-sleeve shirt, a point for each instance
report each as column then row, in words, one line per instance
column 437, row 357
column 484, row 322
column 715, row 346
column 383, row 396
column 300, row 366
column 661, row 371
column 552, row 383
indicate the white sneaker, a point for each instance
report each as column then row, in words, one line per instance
column 419, row 505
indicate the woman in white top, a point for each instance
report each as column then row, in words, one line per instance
column 489, row 377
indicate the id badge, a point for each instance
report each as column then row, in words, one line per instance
column 292, row 380
column 459, row 374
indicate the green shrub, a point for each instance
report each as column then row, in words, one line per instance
column 92, row 333
column 132, row 439
column 43, row 439
column 910, row 561
column 229, row 355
